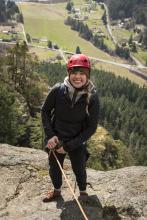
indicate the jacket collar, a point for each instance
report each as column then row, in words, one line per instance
column 89, row 88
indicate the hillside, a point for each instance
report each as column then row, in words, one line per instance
column 62, row 35
column 54, row 16
column 125, row 9
column 116, row 195
column 36, row 33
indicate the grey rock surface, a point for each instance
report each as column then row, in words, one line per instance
column 117, row 194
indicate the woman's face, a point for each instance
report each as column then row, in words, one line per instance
column 78, row 76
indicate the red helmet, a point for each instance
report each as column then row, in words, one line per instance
column 78, row 60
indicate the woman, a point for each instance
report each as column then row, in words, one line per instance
column 70, row 117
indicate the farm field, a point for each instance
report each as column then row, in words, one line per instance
column 121, row 34
column 141, row 56
column 43, row 54
column 50, row 24
column 5, row 36
column 120, row 71
column 11, row 32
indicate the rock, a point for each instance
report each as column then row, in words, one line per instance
column 116, row 194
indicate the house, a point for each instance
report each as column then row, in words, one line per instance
column 36, row 40
column 121, row 25
column 75, row 10
column 5, row 32
column 137, row 43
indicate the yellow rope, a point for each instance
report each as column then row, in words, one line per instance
column 83, row 213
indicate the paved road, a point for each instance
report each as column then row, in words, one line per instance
column 62, row 55
column 138, row 63
column 108, row 26
column 132, row 68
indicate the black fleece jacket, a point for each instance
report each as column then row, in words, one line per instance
column 67, row 120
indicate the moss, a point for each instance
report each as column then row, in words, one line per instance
column 107, row 153
column 42, row 172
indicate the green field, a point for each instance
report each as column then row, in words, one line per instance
column 79, row 3
column 18, row 36
column 42, row 20
column 141, row 56
column 5, row 36
column 123, row 72
column 43, row 54
column 50, row 24
column 121, row 34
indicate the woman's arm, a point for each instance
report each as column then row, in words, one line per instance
column 47, row 111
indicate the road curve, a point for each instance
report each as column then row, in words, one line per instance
column 138, row 63
column 133, row 69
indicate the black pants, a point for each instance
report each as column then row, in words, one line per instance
column 78, row 159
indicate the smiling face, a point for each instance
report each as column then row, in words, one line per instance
column 78, row 76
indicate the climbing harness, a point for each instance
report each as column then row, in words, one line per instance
column 81, row 209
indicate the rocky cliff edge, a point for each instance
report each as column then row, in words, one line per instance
column 116, row 194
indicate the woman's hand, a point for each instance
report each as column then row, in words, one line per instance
column 52, row 142
column 61, row 150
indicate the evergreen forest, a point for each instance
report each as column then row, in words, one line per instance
column 9, row 11
column 128, row 8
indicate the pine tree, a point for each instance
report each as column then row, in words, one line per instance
column 69, row 5
column 49, row 44
column 3, row 17
column 134, row 48
column 145, row 38
column 10, row 126
column 78, row 51
column 130, row 40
